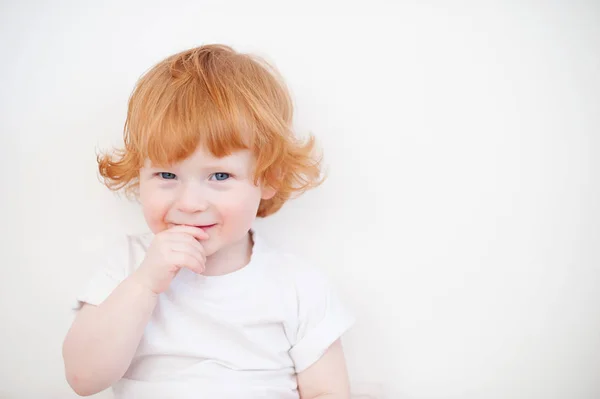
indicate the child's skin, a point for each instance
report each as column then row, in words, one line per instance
column 201, row 210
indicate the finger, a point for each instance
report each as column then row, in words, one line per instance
column 195, row 232
column 184, row 259
column 184, row 238
column 193, row 250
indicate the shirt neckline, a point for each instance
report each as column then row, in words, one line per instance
column 189, row 279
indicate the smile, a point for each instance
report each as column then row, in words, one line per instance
column 203, row 227
column 208, row 226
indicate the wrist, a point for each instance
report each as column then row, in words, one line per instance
column 142, row 284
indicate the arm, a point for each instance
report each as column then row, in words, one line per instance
column 327, row 378
column 103, row 339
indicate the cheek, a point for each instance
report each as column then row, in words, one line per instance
column 240, row 208
column 154, row 206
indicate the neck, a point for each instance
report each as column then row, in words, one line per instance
column 231, row 258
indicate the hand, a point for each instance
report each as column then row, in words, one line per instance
column 169, row 251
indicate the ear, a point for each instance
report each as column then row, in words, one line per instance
column 267, row 192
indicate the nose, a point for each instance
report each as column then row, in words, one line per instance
column 191, row 199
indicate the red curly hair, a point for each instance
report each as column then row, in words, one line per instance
column 222, row 100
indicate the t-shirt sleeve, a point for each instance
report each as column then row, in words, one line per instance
column 323, row 318
column 109, row 267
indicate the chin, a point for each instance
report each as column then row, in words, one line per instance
column 210, row 247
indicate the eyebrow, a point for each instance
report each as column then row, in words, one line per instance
column 222, row 163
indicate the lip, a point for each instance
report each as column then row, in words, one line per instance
column 203, row 227
column 206, row 227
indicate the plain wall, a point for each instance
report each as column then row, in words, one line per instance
column 460, row 220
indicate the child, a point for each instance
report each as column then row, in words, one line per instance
column 202, row 307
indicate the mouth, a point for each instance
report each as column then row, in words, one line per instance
column 206, row 227
column 203, row 227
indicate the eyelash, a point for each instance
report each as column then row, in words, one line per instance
column 221, row 173
column 162, row 175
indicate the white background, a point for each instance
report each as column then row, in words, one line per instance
column 460, row 220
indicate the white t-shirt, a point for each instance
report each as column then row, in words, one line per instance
column 241, row 335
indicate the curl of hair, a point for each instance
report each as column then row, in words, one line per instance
column 222, row 100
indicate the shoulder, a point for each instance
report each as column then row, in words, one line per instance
column 315, row 315
column 287, row 265
column 123, row 253
column 290, row 270
column 110, row 263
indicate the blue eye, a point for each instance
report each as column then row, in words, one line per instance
column 221, row 176
column 167, row 175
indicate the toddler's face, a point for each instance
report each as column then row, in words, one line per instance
column 216, row 194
